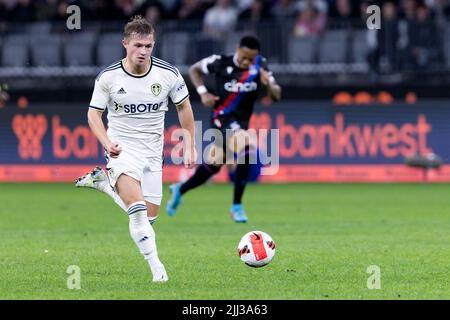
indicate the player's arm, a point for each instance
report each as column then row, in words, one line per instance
column 186, row 118
column 196, row 72
column 98, row 103
column 273, row 88
column 98, row 128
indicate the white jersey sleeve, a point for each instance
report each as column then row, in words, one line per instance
column 179, row 92
column 101, row 94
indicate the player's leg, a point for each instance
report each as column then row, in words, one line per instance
column 201, row 175
column 152, row 212
column 152, row 190
column 141, row 231
column 97, row 179
column 243, row 145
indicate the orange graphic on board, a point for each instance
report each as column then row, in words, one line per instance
column 29, row 129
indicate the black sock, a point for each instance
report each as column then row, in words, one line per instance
column 201, row 175
column 241, row 178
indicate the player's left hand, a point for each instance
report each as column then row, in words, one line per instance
column 265, row 76
column 189, row 157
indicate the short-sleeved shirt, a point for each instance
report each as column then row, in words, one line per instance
column 137, row 104
column 237, row 88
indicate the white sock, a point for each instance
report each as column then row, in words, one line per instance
column 106, row 188
column 143, row 234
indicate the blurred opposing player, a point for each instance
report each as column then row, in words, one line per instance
column 135, row 90
column 238, row 79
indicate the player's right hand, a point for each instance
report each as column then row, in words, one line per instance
column 209, row 99
column 113, row 149
column 189, row 157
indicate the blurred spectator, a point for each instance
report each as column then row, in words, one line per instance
column 190, row 10
column 127, row 7
column 408, row 9
column 152, row 10
column 169, row 5
column 407, row 18
column 385, row 46
column 117, row 10
column 363, row 10
column 45, row 9
column 243, row 5
column 60, row 12
column 220, row 20
column 153, row 14
column 255, row 14
column 24, row 11
column 310, row 21
column 284, row 9
column 441, row 11
column 4, row 12
column 340, row 8
column 344, row 12
column 423, row 37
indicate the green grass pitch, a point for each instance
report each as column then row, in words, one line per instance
column 327, row 235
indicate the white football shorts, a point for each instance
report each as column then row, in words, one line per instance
column 147, row 170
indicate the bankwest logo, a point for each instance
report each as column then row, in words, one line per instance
column 31, row 129
column 340, row 139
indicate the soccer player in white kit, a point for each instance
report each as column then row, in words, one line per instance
column 135, row 91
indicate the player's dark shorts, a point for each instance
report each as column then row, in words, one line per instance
column 228, row 123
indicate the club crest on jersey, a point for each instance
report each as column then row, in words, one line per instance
column 156, row 89
column 229, row 70
column 253, row 70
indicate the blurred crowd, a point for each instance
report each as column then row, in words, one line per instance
column 409, row 37
column 310, row 15
column 218, row 16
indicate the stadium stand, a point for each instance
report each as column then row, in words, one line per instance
column 15, row 51
column 79, row 49
column 109, row 48
column 333, row 46
column 359, row 48
column 174, row 47
column 46, row 50
column 339, row 43
column 302, row 50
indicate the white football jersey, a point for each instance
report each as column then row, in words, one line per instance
column 137, row 104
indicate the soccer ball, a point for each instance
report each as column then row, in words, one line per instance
column 256, row 249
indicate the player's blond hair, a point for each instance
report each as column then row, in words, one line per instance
column 138, row 25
